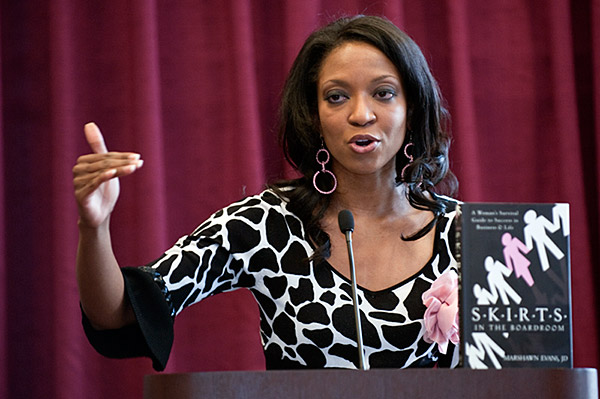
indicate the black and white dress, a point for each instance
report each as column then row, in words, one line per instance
column 306, row 313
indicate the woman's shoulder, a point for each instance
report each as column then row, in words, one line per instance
column 268, row 200
column 449, row 201
column 447, row 225
column 451, row 207
column 253, row 210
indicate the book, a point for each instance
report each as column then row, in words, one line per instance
column 515, row 285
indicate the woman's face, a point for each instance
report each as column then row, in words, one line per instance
column 362, row 109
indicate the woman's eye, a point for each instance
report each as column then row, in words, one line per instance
column 385, row 94
column 335, row 98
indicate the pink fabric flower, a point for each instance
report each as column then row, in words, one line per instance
column 441, row 316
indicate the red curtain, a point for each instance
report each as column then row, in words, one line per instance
column 193, row 86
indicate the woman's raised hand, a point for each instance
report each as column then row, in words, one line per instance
column 95, row 178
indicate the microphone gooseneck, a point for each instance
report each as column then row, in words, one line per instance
column 346, row 223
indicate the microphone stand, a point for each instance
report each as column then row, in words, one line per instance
column 346, row 221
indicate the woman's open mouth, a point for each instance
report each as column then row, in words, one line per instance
column 363, row 143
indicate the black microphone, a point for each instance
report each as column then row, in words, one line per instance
column 346, row 223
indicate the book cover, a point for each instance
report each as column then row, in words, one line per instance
column 515, row 299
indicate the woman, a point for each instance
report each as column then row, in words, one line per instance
column 362, row 120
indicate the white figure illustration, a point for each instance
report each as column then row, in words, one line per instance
column 484, row 297
column 536, row 230
column 498, row 287
column 483, row 345
column 560, row 216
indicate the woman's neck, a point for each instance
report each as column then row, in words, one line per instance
column 369, row 195
column 375, row 201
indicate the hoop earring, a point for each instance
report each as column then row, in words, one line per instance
column 410, row 159
column 324, row 152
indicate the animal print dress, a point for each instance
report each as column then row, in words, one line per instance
column 306, row 313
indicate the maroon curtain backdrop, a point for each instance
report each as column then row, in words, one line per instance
column 193, row 86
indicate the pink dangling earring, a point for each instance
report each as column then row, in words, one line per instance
column 409, row 157
column 324, row 153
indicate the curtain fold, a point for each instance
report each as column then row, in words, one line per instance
column 3, row 274
column 571, row 179
column 61, row 337
column 463, row 108
column 194, row 88
column 593, row 129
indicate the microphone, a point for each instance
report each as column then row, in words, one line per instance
column 346, row 223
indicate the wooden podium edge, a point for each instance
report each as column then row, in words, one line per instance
column 513, row 383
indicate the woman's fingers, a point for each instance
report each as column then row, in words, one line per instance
column 94, row 138
column 94, row 163
column 101, row 159
column 89, row 158
column 88, row 177
column 100, row 164
column 95, row 177
column 92, row 171
column 86, row 185
column 83, row 174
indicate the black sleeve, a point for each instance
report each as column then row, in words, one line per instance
column 152, row 335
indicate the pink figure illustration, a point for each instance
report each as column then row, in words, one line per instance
column 514, row 258
column 536, row 230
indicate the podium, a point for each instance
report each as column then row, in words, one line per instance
column 511, row 383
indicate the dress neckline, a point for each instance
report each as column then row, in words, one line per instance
column 396, row 285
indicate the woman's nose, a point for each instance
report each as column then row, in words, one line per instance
column 361, row 112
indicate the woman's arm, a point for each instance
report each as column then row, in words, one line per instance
column 96, row 184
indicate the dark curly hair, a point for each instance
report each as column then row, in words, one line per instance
column 427, row 121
